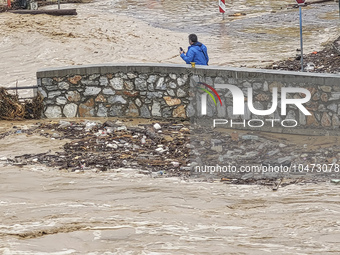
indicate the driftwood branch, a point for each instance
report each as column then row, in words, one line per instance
column 55, row 12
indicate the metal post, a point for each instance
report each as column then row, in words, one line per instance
column 223, row 16
column 58, row 4
column 301, row 44
column 16, row 89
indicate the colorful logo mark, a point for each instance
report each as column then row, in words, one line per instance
column 209, row 93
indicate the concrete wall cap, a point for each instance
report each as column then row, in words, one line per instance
column 165, row 68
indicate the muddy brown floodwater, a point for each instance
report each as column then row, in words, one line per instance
column 151, row 31
column 45, row 210
column 50, row 211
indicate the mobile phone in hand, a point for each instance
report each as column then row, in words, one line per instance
column 180, row 48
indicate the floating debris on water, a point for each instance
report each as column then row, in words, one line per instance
column 180, row 150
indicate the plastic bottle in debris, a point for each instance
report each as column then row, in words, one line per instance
column 64, row 124
column 310, row 67
column 250, row 137
column 90, row 125
column 143, row 141
column 157, row 126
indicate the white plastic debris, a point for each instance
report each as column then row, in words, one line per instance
column 122, row 128
column 250, row 137
column 157, row 126
column 109, row 130
column 160, row 150
column 175, row 164
column 64, row 124
column 114, row 146
column 310, row 67
column 90, row 125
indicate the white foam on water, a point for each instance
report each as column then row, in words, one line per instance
column 7, row 251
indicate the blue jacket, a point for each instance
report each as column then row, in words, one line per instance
column 197, row 53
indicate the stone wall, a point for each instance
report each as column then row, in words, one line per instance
column 164, row 91
column 132, row 91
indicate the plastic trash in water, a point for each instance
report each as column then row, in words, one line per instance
column 110, row 145
column 121, row 128
column 175, row 163
column 157, row 174
column 157, row 126
column 250, row 137
column 90, row 125
column 143, row 141
column 64, row 124
column 335, row 181
column 109, row 130
column 310, row 67
column 100, row 133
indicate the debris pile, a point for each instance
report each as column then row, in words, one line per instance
column 324, row 61
column 3, row 8
column 245, row 158
column 112, row 145
column 34, row 107
column 12, row 109
column 175, row 149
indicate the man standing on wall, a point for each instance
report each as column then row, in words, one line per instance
column 197, row 52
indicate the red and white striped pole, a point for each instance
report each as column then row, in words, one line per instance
column 9, row 4
column 221, row 4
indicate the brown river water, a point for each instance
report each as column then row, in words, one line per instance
column 48, row 211
column 151, row 31
column 123, row 212
column 45, row 210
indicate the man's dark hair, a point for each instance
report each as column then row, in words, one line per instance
column 193, row 38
